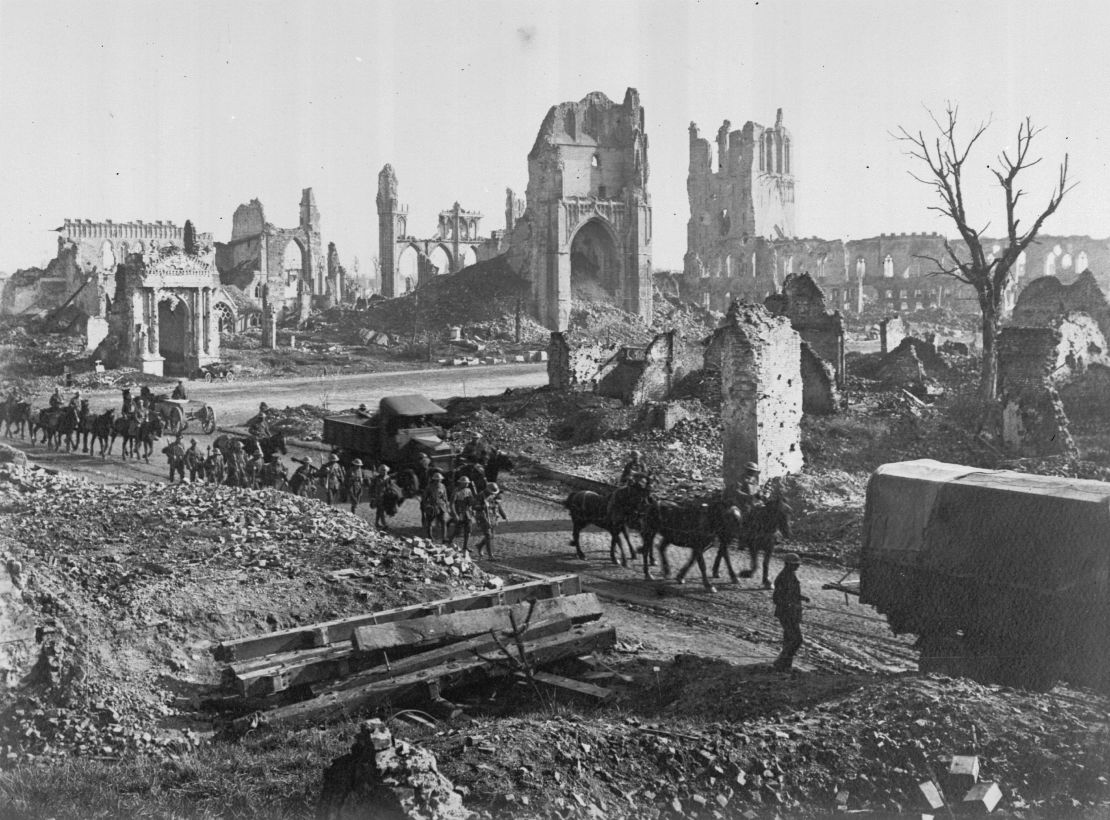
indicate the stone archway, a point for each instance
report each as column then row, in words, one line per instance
column 173, row 334
column 294, row 266
column 469, row 257
column 440, row 258
column 407, row 270
column 595, row 262
column 225, row 317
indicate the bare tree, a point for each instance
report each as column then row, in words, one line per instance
column 945, row 156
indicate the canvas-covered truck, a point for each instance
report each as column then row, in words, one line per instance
column 396, row 435
column 1002, row 576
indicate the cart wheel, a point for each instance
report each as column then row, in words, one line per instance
column 176, row 421
column 208, row 376
column 209, row 424
column 229, row 376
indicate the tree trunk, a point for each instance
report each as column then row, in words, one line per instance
column 988, row 382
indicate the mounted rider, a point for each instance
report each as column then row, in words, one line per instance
column 128, row 403
column 75, row 400
column 476, row 450
column 634, row 467
column 259, row 426
column 179, row 392
column 56, row 399
column 749, row 492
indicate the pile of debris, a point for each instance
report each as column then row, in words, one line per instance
column 412, row 655
column 119, row 588
column 305, row 422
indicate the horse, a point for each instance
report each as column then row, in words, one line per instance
column 16, row 413
column 85, row 421
column 694, row 525
column 127, row 428
column 267, row 445
column 498, row 460
column 102, row 429
column 758, row 534
column 150, row 430
column 613, row 513
column 56, row 423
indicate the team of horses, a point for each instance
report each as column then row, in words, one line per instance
column 696, row 524
column 79, row 428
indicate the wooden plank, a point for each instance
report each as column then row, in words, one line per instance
column 344, row 662
column 570, row 685
column 413, row 688
column 455, row 626
column 330, row 632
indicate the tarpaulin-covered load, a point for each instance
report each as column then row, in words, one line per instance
column 1015, row 565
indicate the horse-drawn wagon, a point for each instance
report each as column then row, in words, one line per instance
column 177, row 413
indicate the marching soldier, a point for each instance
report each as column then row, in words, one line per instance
column 128, row 403
column 486, row 513
column 237, row 466
column 272, row 473
column 175, row 456
column 434, row 505
column 215, row 466
column 193, row 460
column 379, row 486
column 331, row 478
column 462, row 508
column 254, row 467
column 354, row 481
column 301, row 480
column 788, row 600
column 259, row 426
column 56, row 398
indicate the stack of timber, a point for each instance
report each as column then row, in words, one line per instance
column 408, row 656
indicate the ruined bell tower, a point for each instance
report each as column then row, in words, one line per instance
column 310, row 227
column 392, row 225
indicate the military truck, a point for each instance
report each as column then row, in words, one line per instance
column 1003, row 576
column 396, row 435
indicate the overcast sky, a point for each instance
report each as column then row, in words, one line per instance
column 175, row 110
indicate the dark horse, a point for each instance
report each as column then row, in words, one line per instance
column 102, row 430
column 758, row 535
column 614, row 513
column 56, row 424
column 695, row 525
column 497, row 461
column 16, row 413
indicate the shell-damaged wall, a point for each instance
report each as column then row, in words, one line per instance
column 587, row 224
column 761, row 386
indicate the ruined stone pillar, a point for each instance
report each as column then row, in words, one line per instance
column 761, row 386
column 155, row 333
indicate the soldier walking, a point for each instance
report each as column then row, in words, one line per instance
column 485, row 514
column 379, row 487
column 353, row 482
column 331, row 478
column 272, row 473
column 301, row 481
column 193, row 460
column 175, row 455
column 788, row 600
column 434, row 505
column 462, row 510
column 254, row 467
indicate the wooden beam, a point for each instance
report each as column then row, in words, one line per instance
column 454, row 626
column 329, row 632
column 570, row 685
column 412, row 688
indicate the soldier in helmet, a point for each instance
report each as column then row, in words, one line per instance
column 353, row 482
column 635, row 466
column 259, row 426
column 788, row 601
column 435, row 506
column 179, row 392
column 300, row 483
column 272, row 473
column 747, row 494
column 331, row 478
column 462, row 513
column 381, row 496
column 486, row 512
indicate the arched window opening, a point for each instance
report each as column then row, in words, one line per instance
column 107, row 256
column 861, row 267
column 1081, row 262
column 888, row 267
column 1050, row 265
column 595, row 161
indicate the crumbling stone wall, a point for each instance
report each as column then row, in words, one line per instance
column 588, row 216
column 574, row 363
column 892, row 330
column 761, row 386
column 819, row 393
column 803, row 303
column 643, row 374
column 1046, row 300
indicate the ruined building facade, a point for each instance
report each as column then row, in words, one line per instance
column 287, row 263
column 586, row 228
column 406, row 261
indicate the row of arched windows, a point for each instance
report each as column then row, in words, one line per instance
column 774, row 153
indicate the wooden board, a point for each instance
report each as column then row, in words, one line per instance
column 454, row 626
column 413, row 688
column 577, row 687
column 329, row 632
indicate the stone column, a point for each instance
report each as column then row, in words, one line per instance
column 155, row 334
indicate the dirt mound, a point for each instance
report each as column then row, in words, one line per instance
column 130, row 584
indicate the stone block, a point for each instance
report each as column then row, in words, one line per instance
column 982, row 798
column 931, row 792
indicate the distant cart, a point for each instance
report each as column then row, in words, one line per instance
column 215, row 370
column 177, row 413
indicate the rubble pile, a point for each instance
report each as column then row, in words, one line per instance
column 305, row 422
column 858, row 743
column 129, row 583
